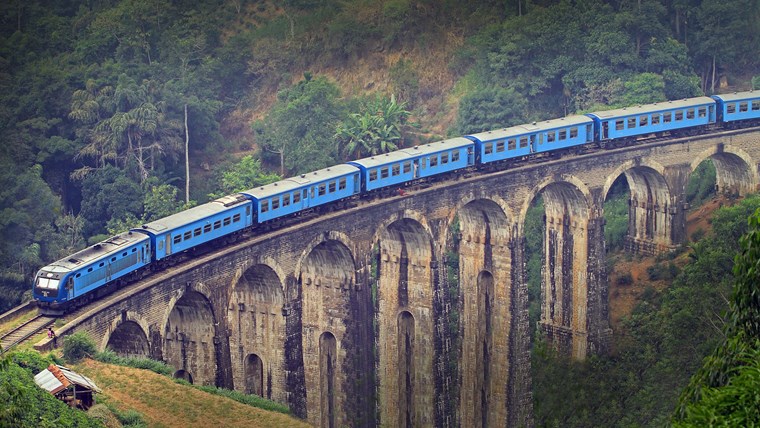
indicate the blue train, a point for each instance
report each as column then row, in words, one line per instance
column 98, row 269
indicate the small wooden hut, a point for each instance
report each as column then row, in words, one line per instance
column 68, row 386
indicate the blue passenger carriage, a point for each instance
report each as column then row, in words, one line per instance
column 653, row 118
column 198, row 225
column 401, row 166
column 739, row 106
column 305, row 191
column 521, row 140
column 91, row 268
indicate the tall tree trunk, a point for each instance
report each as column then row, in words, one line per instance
column 187, row 160
column 712, row 86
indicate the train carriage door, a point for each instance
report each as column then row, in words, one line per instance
column 168, row 238
column 416, row 167
column 533, row 143
column 605, row 130
column 711, row 113
column 70, row 287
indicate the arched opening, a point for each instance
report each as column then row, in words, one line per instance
column 184, row 375
column 189, row 338
column 327, row 362
column 406, row 284
column 327, row 284
column 254, row 375
column 258, row 328
column 129, row 340
column 480, row 236
column 405, row 340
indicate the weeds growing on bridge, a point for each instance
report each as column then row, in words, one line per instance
column 110, row 357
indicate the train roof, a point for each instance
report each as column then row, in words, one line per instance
column 530, row 128
column 738, row 96
column 191, row 215
column 651, row 108
column 300, row 181
column 413, row 152
column 98, row 251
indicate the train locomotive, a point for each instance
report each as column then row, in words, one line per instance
column 103, row 267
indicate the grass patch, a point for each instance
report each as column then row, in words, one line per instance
column 110, row 357
column 251, row 400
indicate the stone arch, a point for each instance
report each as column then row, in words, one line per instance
column 190, row 341
column 568, row 222
column 734, row 169
column 254, row 375
column 183, row 374
column 257, row 325
column 129, row 340
column 127, row 316
column 485, row 280
column 405, row 284
column 327, row 279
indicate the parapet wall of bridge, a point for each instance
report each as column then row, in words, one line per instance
column 413, row 310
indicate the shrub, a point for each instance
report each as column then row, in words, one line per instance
column 77, row 346
column 625, row 279
column 251, row 400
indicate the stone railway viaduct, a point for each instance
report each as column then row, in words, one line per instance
column 356, row 318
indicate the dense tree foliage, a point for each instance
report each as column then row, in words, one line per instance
column 663, row 342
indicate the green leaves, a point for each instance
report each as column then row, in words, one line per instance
column 376, row 129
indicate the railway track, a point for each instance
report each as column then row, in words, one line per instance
column 24, row 331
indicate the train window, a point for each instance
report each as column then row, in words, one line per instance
column 540, row 138
column 113, row 259
column 499, row 146
column 78, row 275
column 395, row 169
column 511, row 144
column 342, row 183
column 573, row 132
column 551, row 136
column 743, row 106
column 264, row 206
column 643, row 120
column 275, row 203
column 631, row 122
column 161, row 245
column 217, row 224
column 619, row 125
column 296, row 197
column 101, row 264
column 373, row 175
column 562, row 134
column 227, row 220
column 248, row 210
column 188, row 235
column 322, row 189
column 679, row 115
column 444, row 158
column 433, row 160
column 730, row 108
column 124, row 254
column 89, row 270
column 384, row 172
column 331, row 187
column 134, row 249
column 655, row 119
column 523, row 142
column 206, row 229
column 455, row 155
column 666, row 117
column 177, row 239
column 285, row 202
column 702, row 112
column 755, row 105
column 312, row 192
column 690, row 113
column 197, row 232
column 236, row 217
column 488, row 148
column 407, row 167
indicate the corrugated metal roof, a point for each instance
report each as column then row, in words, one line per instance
column 301, row 180
column 738, row 96
column 650, row 108
column 547, row 125
column 56, row 378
